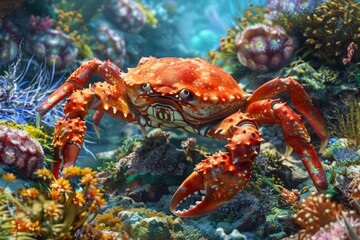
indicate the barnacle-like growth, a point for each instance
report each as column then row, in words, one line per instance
column 332, row 27
column 316, row 212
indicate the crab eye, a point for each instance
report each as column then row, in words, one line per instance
column 184, row 93
column 146, row 87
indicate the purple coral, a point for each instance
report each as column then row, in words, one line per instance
column 111, row 45
column 125, row 14
column 18, row 149
column 263, row 48
column 53, row 46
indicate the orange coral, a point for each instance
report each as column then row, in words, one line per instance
column 288, row 197
column 316, row 212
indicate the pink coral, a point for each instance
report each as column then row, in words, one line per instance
column 263, row 48
column 18, row 149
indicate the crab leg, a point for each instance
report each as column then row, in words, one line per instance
column 299, row 98
column 275, row 112
column 78, row 79
column 223, row 174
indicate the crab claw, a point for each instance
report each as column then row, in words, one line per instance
column 218, row 177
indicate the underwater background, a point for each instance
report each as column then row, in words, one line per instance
column 122, row 182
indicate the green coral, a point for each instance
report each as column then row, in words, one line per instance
column 309, row 77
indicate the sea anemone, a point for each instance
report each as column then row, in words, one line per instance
column 19, row 97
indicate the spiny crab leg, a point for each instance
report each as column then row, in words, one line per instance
column 107, row 97
column 299, row 98
column 77, row 80
column 275, row 112
column 223, row 174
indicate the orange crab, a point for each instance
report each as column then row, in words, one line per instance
column 195, row 96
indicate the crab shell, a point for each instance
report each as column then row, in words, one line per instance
column 198, row 90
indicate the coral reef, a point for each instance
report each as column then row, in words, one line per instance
column 109, row 44
column 125, row 14
column 348, row 123
column 332, row 27
column 226, row 55
column 18, row 149
column 53, row 46
column 315, row 213
column 153, row 166
column 263, row 48
column 10, row 39
column 141, row 223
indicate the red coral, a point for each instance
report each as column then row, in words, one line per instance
column 40, row 25
column 350, row 53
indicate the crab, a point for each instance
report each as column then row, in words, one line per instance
column 195, row 96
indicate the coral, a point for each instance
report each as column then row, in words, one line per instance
column 309, row 77
column 337, row 230
column 316, row 212
column 18, row 149
column 40, row 24
column 332, row 27
column 289, row 197
column 36, row 133
column 10, row 39
column 348, row 123
column 353, row 191
column 21, row 93
column 234, row 235
column 125, row 14
column 140, row 223
column 57, row 210
column 350, row 53
column 109, row 44
column 226, row 57
column 151, row 19
column 263, row 48
column 72, row 23
column 52, row 46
